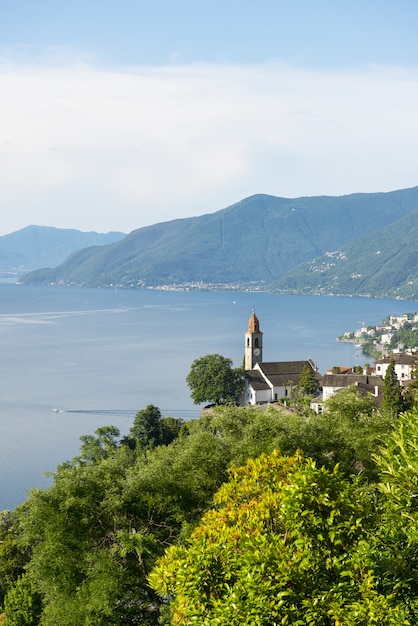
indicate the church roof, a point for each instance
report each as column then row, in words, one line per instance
column 253, row 324
column 256, row 380
column 278, row 373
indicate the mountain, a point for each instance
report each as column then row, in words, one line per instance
column 384, row 264
column 39, row 246
column 253, row 244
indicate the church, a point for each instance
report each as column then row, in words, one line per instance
column 267, row 381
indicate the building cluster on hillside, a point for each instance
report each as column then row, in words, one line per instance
column 274, row 381
column 381, row 335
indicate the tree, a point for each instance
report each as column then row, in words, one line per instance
column 96, row 533
column 99, row 446
column 89, row 542
column 411, row 392
column 284, row 545
column 349, row 404
column 392, row 403
column 89, row 553
column 212, row 379
column 147, row 431
column 348, row 432
column 23, row 604
column 151, row 429
column 395, row 555
column 308, row 383
column 13, row 556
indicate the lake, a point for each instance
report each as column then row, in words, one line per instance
column 98, row 356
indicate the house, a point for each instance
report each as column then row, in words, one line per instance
column 331, row 383
column 267, row 381
column 404, row 365
column 369, row 385
column 370, row 382
column 399, row 320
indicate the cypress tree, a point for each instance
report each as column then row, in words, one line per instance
column 308, row 383
column 392, row 403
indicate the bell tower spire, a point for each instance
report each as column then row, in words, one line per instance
column 253, row 343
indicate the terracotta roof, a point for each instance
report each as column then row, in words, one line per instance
column 343, row 369
column 253, row 324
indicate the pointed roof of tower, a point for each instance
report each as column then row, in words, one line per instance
column 253, row 323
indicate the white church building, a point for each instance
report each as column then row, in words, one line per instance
column 267, row 381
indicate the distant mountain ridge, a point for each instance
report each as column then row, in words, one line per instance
column 33, row 247
column 260, row 242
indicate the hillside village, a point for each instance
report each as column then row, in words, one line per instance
column 396, row 334
column 275, row 381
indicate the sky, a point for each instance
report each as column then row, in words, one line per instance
column 118, row 114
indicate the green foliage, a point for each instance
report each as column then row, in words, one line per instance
column 147, row 431
column 212, row 379
column 308, row 384
column 13, row 556
column 99, row 446
column 247, row 433
column 396, row 548
column 77, row 562
column 410, row 394
column 90, row 541
column 392, row 402
column 347, row 432
column 150, row 429
column 349, row 404
column 407, row 335
column 282, row 546
column 95, row 533
column 23, row 605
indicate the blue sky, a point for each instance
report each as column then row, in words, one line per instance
column 116, row 115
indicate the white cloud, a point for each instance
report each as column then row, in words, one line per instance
column 103, row 149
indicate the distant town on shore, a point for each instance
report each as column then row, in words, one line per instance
column 395, row 334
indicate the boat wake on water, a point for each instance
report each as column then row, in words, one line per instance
column 186, row 414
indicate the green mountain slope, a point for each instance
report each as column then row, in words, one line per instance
column 253, row 242
column 383, row 264
column 37, row 246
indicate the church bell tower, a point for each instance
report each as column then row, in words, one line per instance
column 253, row 343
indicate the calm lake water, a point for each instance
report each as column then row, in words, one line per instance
column 99, row 356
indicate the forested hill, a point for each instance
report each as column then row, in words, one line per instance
column 382, row 264
column 37, row 246
column 253, row 243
